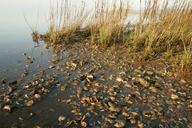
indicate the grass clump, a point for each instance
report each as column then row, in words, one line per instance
column 103, row 25
column 107, row 24
column 186, row 59
column 163, row 28
column 65, row 21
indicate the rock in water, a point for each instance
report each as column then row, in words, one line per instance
column 61, row 118
column 37, row 96
column 7, row 108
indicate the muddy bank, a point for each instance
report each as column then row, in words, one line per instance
column 87, row 86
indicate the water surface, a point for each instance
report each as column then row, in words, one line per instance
column 15, row 33
column 16, row 20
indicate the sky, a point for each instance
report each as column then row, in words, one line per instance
column 44, row 3
column 34, row 10
column 12, row 12
column 14, row 29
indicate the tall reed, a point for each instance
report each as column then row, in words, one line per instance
column 165, row 27
column 162, row 27
column 103, row 25
column 65, row 19
column 108, row 22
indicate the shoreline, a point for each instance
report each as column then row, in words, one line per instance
column 96, row 83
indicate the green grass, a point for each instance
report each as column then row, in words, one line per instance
column 161, row 30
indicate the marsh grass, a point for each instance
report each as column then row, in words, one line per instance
column 104, row 24
column 163, row 28
column 65, row 21
column 107, row 25
column 186, row 58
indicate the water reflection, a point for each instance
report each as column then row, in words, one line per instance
column 15, row 34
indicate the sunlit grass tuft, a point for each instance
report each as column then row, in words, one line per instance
column 163, row 28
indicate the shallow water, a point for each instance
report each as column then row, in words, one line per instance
column 15, row 34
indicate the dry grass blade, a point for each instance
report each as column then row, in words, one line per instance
column 163, row 27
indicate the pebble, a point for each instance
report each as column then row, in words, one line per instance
column 134, row 114
column 140, row 125
column 113, row 107
column 128, row 85
column 158, row 85
column 7, row 99
column 7, row 108
column 133, row 121
column 62, row 88
column 143, row 82
column 190, row 106
column 118, row 79
column 29, row 103
column 138, row 71
column 37, row 126
column 183, row 81
column 10, row 89
column 35, row 83
column 61, row 118
column 20, row 118
column 190, row 125
column 125, row 114
column 51, row 67
column 71, row 65
column 153, row 89
column 150, row 73
column 89, row 78
column 174, row 97
column 119, row 124
column 37, row 96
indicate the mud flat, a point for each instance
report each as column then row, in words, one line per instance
column 97, row 87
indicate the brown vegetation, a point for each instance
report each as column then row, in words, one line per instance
column 163, row 29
